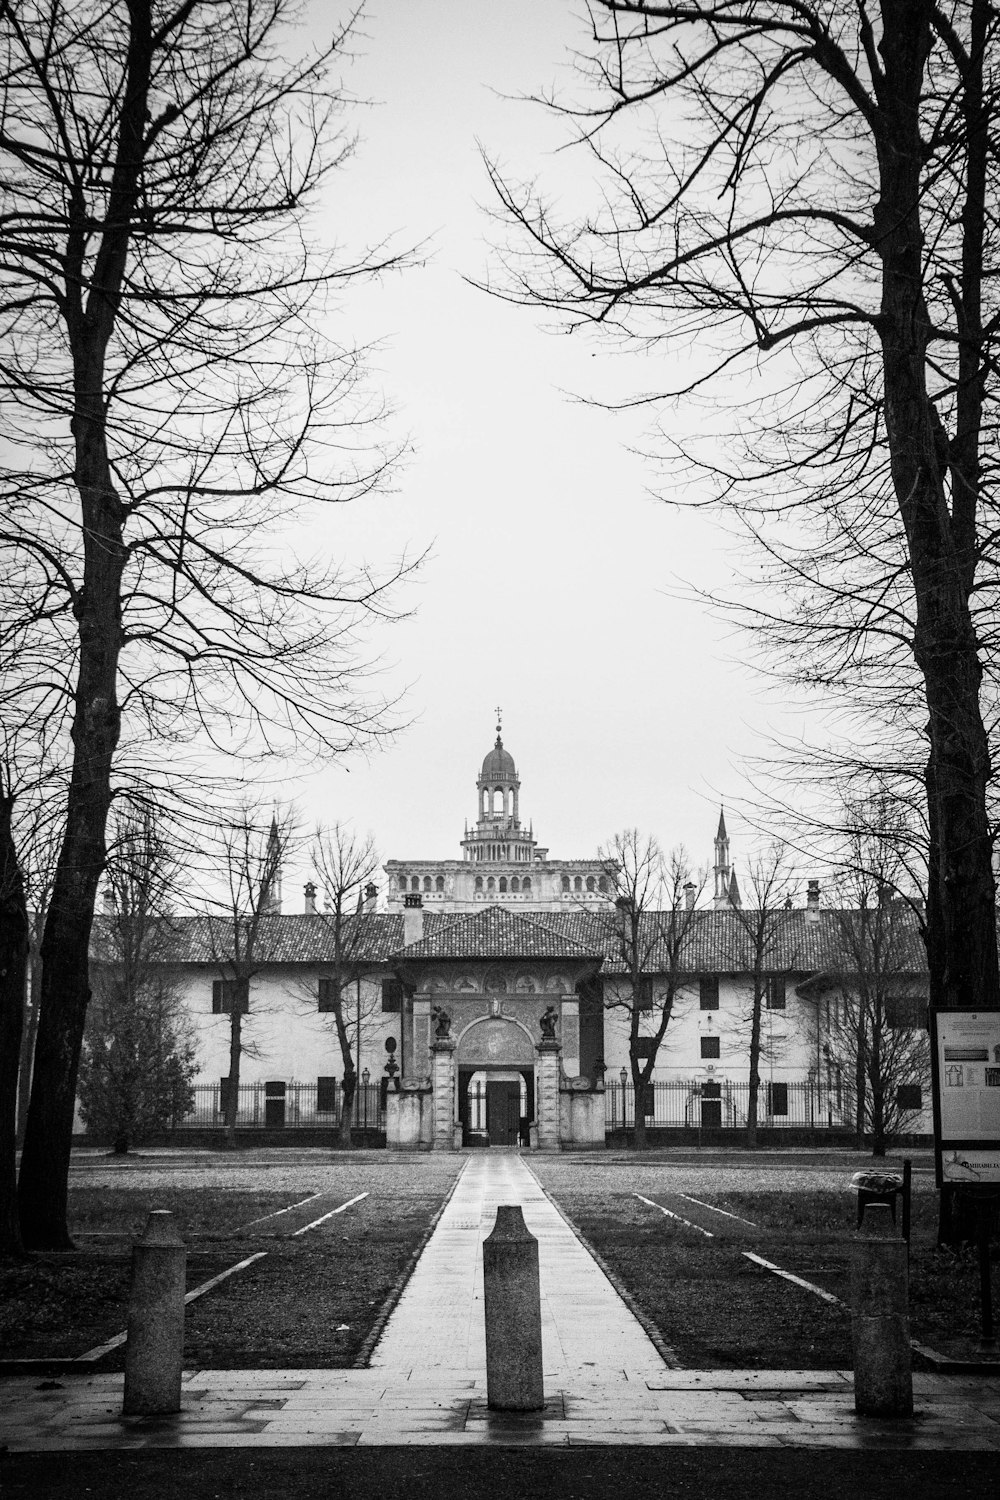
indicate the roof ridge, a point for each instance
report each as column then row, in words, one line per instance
column 532, row 921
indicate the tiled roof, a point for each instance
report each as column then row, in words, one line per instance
column 713, row 941
column 496, row 932
column 282, row 939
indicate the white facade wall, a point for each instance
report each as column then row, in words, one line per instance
column 285, row 1035
column 788, row 1036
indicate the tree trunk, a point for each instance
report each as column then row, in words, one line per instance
column 347, row 1107
column 964, row 970
column 65, row 986
column 32, row 1007
column 639, row 1106
column 235, row 1055
column 753, row 1101
column 860, row 1073
column 13, row 979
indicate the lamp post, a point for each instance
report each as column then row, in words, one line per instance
column 623, row 1075
column 365, row 1076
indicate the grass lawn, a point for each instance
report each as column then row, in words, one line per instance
column 717, row 1309
column 310, row 1302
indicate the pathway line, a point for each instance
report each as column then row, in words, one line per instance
column 670, row 1215
column 306, row 1227
column 809, row 1286
column 192, row 1296
column 714, row 1210
column 277, row 1213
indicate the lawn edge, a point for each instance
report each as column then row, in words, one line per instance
column 363, row 1357
column 667, row 1354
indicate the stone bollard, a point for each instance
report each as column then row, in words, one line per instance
column 883, row 1380
column 154, row 1347
column 513, row 1314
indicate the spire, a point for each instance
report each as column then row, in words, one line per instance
column 735, row 899
column 723, row 871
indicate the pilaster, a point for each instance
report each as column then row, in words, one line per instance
column 443, row 1078
column 569, row 1032
column 547, row 1095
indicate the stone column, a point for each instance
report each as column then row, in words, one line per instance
column 443, row 1078
column 883, row 1382
column 420, row 1058
column 154, row 1346
column 547, row 1094
column 569, row 1032
column 513, row 1312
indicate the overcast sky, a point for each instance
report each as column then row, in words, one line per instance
column 547, row 588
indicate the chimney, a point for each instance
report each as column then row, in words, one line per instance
column 812, row 901
column 371, row 892
column 689, row 891
column 310, row 899
column 413, row 918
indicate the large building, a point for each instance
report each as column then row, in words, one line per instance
column 505, row 959
column 501, row 860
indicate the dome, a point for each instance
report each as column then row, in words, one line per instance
column 499, row 764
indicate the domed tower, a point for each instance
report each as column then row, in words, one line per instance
column 498, row 836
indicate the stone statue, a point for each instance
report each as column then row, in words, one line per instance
column 442, row 1023
column 548, row 1024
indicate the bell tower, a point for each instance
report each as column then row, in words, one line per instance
column 498, row 837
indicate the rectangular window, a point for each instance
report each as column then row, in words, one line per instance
column 777, row 1098
column 774, row 995
column 326, row 1096
column 909, row 1096
column 710, row 1046
column 906, row 1012
column 708, row 992
column 226, row 993
column 644, row 995
column 645, row 1046
column 327, row 994
column 392, row 994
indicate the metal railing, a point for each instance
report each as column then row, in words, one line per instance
column 299, row 1106
column 678, row 1103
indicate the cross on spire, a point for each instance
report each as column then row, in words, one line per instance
column 498, row 721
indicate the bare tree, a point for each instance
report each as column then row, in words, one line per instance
column 244, row 938
column 761, row 950
column 172, row 416
column 654, row 917
column 876, row 1000
column 344, row 863
column 800, row 199
column 139, row 1054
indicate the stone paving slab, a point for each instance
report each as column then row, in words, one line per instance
column 326, row 1408
column 605, row 1383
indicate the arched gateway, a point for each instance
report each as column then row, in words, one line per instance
column 495, row 1064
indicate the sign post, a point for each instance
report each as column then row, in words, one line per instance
column 965, row 1072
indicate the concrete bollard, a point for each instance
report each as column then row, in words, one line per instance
column 513, row 1314
column 883, row 1379
column 154, row 1346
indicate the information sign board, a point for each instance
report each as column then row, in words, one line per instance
column 965, row 1059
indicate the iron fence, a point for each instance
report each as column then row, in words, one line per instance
column 286, row 1106
column 679, row 1103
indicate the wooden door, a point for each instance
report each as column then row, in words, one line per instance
column 503, row 1112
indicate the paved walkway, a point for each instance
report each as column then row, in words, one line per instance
column 605, row 1382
